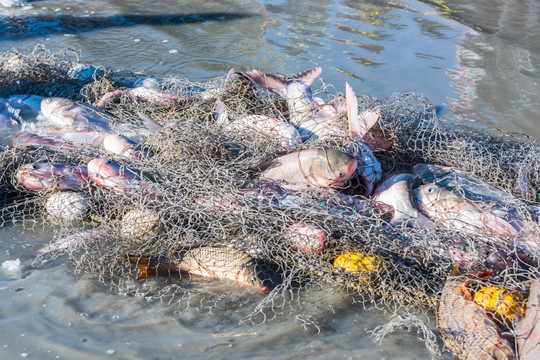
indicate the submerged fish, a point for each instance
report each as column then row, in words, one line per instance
column 66, row 113
column 221, row 263
column 71, row 243
column 50, row 177
column 318, row 167
column 396, row 191
column 528, row 328
column 465, row 327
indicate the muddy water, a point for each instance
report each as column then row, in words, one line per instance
column 478, row 61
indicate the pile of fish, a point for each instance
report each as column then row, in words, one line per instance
column 318, row 201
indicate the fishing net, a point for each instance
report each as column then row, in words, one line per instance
column 202, row 191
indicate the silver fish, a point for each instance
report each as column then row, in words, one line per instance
column 396, row 191
column 66, row 113
column 318, row 167
column 285, row 133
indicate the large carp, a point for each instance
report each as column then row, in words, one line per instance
column 318, row 167
column 51, row 177
column 221, row 263
column 66, row 113
column 467, row 331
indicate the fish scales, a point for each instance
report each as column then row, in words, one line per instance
column 466, row 329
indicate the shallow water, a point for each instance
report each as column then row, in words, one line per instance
column 478, row 61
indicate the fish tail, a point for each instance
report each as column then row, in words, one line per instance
column 308, row 77
column 274, row 82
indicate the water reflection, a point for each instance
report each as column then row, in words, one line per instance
column 21, row 27
column 496, row 75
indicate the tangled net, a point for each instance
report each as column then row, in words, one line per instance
column 208, row 195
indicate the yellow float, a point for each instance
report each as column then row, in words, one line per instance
column 501, row 303
column 360, row 263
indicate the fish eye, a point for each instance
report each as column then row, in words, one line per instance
column 35, row 166
column 48, row 101
column 109, row 162
column 340, row 174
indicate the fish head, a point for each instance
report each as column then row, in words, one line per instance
column 54, row 104
column 36, row 176
column 47, row 176
column 426, row 196
column 333, row 168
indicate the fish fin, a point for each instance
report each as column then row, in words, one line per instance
column 308, row 77
column 143, row 263
column 228, row 77
column 484, row 275
column 355, row 128
column 465, row 292
column 221, row 114
column 274, row 82
column 150, row 123
column 266, row 165
column 455, row 271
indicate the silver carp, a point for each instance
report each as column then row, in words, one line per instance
column 285, row 133
column 318, row 167
column 51, row 177
column 66, row 113
column 109, row 174
column 310, row 116
column 396, row 191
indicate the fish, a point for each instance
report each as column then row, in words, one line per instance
column 462, row 181
column 369, row 168
column 142, row 94
column 396, row 190
column 42, row 176
column 310, row 116
column 220, row 263
column 451, row 210
column 65, row 113
column 467, row 331
column 66, row 140
column 317, row 167
column 109, row 174
column 28, row 139
column 528, row 328
column 286, row 134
